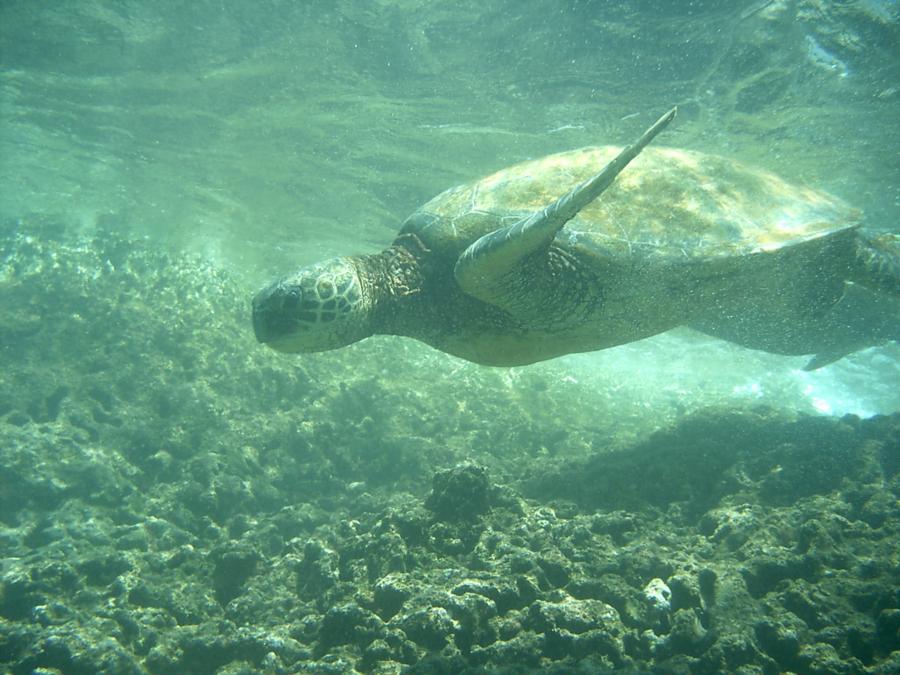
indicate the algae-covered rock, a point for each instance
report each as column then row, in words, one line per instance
column 460, row 493
column 348, row 624
column 157, row 518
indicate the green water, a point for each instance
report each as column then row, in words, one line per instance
column 163, row 473
column 272, row 132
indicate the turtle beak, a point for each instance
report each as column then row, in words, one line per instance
column 271, row 318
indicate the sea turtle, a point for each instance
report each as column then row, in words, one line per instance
column 527, row 264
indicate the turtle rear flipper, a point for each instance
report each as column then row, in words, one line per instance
column 876, row 268
column 861, row 318
column 823, row 359
column 877, row 264
column 487, row 268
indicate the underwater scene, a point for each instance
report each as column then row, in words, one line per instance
column 277, row 396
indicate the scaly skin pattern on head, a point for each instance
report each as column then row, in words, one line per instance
column 317, row 308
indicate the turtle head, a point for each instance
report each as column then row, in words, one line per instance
column 317, row 308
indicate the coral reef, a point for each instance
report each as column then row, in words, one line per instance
column 175, row 500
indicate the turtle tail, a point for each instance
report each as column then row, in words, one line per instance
column 877, row 262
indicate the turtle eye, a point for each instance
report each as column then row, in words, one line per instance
column 325, row 289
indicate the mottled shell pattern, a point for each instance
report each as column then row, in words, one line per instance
column 667, row 205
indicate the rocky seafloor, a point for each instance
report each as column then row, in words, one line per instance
column 175, row 499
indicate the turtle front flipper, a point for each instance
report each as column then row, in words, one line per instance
column 485, row 269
